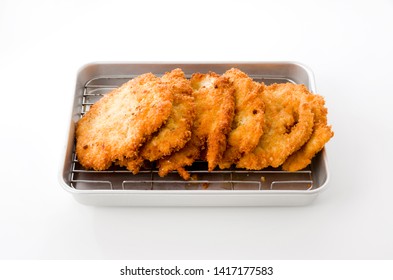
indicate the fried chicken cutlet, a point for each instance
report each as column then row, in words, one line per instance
column 321, row 134
column 120, row 122
column 248, row 121
column 176, row 132
column 288, row 125
column 214, row 112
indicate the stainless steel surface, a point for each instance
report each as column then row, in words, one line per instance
column 95, row 80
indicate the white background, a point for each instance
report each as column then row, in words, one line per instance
column 347, row 44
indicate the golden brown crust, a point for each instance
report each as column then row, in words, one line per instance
column 180, row 159
column 214, row 111
column 249, row 117
column 117, row 125
column 288, row 125
column 321, row 134
column 177, row 130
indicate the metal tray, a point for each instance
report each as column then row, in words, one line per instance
column 232, row 187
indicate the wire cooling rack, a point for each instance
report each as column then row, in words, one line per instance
column 118, row 178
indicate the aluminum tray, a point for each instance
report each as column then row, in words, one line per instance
column 233, row 187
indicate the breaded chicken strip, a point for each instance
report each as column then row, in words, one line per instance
column 214, row 111
column 119, row 123
column 249, row 117
column 288, row 125
column 321, row 134
column 176, row 132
